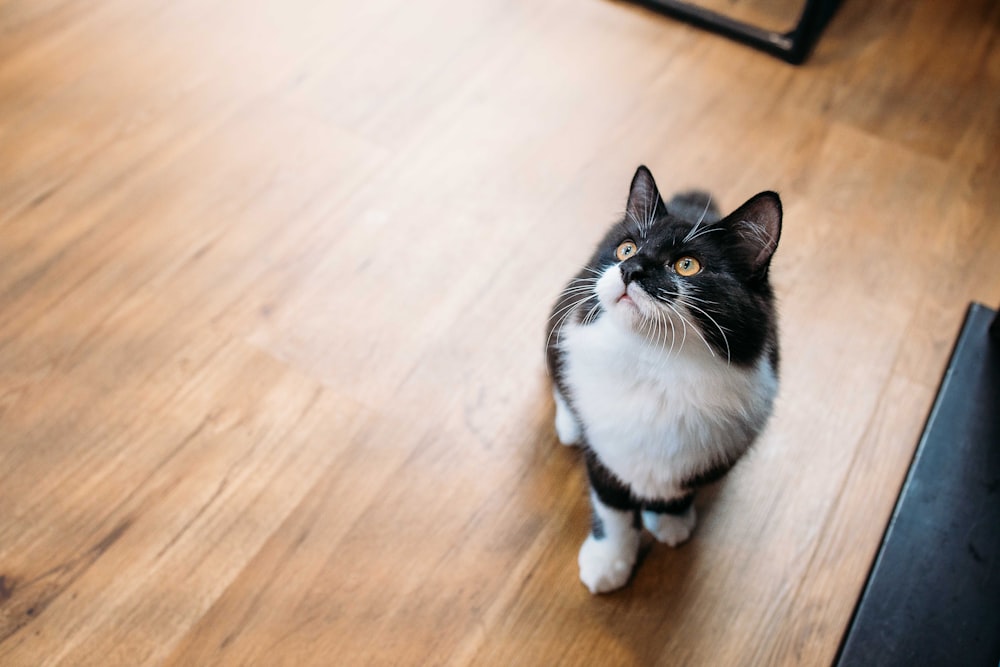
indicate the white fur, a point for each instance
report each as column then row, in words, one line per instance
column 567, row 428
column 671, row 529
column 606, row 563
column 658, row 411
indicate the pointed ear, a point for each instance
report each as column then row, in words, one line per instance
column 644, row 201
column 756, row 228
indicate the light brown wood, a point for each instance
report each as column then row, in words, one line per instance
column 274, row 278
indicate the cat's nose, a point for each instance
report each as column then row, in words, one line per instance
column 631, row 270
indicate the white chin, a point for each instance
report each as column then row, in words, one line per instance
column 610, row 289
column 628, row 313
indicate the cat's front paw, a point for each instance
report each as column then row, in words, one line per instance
column 606, row 564
column 671, row 529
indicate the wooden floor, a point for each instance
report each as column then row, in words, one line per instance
column 274, row 277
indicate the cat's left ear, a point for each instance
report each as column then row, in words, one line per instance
column 644, row 201
column 756, row 228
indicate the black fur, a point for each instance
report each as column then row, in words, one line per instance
column 741, row 286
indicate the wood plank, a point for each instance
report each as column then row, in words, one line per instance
column 274, row 278
column 107, row 559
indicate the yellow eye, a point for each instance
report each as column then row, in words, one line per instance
column 687, row 266
column 625, row 250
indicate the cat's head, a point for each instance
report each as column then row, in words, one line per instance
column 670, row 271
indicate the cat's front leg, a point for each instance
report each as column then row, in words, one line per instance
column 609, row 552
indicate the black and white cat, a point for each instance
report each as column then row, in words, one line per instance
column 664, row 356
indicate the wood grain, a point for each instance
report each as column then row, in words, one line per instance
column 274, row 279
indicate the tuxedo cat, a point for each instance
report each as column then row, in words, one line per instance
column 664, row 356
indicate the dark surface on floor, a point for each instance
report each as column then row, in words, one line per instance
column 933, row 596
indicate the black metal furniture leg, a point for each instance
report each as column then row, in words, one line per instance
column 793, row 46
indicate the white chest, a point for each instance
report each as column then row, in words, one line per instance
column 655, row 417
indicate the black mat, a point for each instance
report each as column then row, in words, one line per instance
column 933, row 595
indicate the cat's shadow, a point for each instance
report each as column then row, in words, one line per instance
column 659, row 566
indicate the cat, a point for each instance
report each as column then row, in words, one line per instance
column 663, row 352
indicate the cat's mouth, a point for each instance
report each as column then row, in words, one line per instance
column 630, row 301
column 625, row 297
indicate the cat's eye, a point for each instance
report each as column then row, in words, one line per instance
column 626, row 250
column 687, row 266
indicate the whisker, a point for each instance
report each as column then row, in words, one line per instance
column 694, row 298
column 719, row 327
column 657, row 329
column 674, row 329
column 664, row 319
column 577, row 290
column 579, row 286
column 631, row 217
column 647, row 331
column 685, row 321
column 690, row 234
column 684, row 332
column 560, row 323
column 685, row 295
column 697, row 225
column 570, row 306
column 705, row 211
column 654, row 200
column 664, row 323
column 701, row 233
column 701, row 336
column 594, row 310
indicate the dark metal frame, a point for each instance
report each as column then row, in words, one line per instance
column 793, row 46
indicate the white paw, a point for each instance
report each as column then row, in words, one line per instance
column 567, row 428
column 671, row 529
column 606, row 564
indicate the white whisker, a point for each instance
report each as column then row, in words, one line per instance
column 562, row 314
column 684, row 321
column 694, row 298
column 692, row 234
column 578, row 290
column 594, row 310
column 719, row 327
column 708, row 230
column 683, row 324
column 704, row 212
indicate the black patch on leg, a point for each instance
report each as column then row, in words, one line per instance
column 608, row 488
column 611, row 492
column 672, row 506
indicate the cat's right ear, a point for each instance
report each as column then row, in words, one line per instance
column 644, row 201
column 757, row 227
